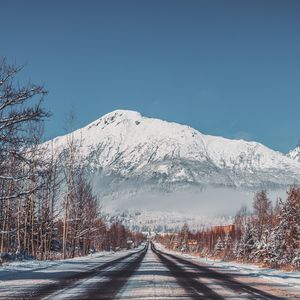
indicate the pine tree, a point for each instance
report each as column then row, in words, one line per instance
column 247, row 242
column 227, row 245
column 219, row 247
column 285, row 246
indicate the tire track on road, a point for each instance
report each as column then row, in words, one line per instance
column 186, row 279
column 117, row 279
column 225, row 280
column 75, row 279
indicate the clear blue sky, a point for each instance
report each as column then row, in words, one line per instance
column 229, row 68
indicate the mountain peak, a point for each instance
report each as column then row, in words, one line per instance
column 122, row 113
column 116, row 117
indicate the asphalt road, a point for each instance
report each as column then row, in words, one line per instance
column 153, row 274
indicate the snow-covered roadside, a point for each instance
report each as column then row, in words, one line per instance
column 19, row 277
column 291, row 279
column 38, row 264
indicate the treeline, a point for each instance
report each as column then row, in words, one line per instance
column 267, row 235
column 47, row 205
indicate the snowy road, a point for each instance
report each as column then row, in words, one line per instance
column 149, row 273
column 163, row 275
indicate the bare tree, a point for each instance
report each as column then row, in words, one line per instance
column 70, row 172
column 262, row 207
column 20, row 107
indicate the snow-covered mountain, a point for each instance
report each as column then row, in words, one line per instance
column 159, row 168
column 294, row 154
column 124, row 146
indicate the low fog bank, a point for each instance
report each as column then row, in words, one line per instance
column 193, row 201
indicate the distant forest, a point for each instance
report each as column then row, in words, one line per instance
column 268, row 235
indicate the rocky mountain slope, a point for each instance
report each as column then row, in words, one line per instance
column 294, row 154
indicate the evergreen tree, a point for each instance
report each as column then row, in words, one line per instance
column 219, row 247
column 285, row 247
column 247, row 242
column 227, row 245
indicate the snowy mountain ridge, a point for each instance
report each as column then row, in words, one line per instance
column 126, row 145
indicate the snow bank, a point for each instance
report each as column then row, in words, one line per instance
column 34, row 265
